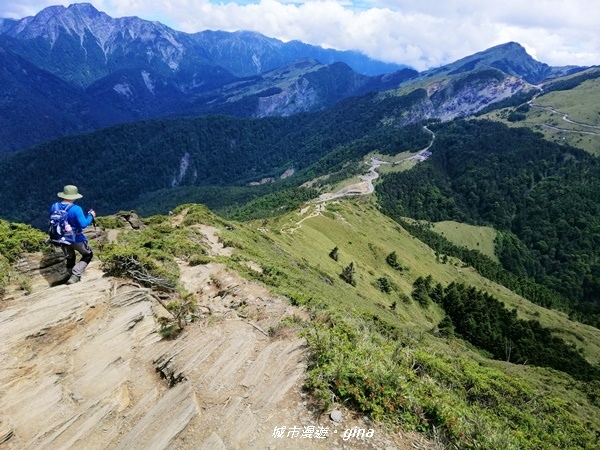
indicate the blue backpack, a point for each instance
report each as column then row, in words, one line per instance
column 59, row 229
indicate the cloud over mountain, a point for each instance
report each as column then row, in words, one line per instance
column 421, row 34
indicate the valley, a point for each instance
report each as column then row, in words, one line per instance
column 294, row 244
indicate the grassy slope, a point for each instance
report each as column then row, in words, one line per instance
column 470, row 236
column 580, row 104
column 474, row 401
column 293, row 250
column 365, row 236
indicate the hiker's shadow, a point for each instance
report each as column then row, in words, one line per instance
column 52, row 266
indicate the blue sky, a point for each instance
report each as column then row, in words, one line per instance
column 420, row 33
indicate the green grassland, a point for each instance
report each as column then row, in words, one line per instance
column 381, row 353
column 365, row 236
column 293, row 252
column 470, row 236
column 399, row 162
column 580, row 104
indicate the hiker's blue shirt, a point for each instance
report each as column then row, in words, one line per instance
column 78, row 220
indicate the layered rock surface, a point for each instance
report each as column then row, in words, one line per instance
column 84, row 368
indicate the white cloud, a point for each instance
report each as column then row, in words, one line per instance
column 423, row 34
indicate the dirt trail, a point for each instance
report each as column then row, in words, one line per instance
column 84, row 368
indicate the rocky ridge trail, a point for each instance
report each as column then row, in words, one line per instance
column 84, row 368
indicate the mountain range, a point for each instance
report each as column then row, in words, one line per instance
column 102, row 71
column 421, row 249
column 71, row 71
column 75, row 69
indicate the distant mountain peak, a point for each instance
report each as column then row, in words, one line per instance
column 81, row 18
column 243, row 53
column 507, row 50
column 510, row 45
column 511, row 58
column 52, row 21
column 132, row 69
column 84, row 7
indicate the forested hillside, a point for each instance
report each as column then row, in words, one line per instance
column 545, row 197
column 119, row 167
column 482, row 320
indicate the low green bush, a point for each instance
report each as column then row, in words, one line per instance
column 109, row 222
column 16, row 238
column 450, row 396
column 150, row 269
column 197, row 260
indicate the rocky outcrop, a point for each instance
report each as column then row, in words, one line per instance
column 84, row 368
column 297, row 98
column 462, row 96
column 130, row 219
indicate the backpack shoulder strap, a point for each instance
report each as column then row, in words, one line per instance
column 56, row 207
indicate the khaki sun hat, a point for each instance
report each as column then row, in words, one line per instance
column 70, row 192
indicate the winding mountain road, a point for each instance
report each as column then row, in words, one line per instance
column 366, row 186
column 565, row 117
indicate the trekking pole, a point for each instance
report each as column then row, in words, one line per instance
column 94, row 224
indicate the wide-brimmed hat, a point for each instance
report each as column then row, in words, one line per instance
column 70, row 192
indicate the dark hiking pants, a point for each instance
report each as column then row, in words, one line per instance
column 82, row 248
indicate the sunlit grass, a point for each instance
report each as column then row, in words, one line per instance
column 380, row 353
column 470, row 236
column 580, row 104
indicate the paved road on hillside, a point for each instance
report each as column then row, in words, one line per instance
column 367, row 187
column 565, row 117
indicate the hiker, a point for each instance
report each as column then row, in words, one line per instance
column 71, row 237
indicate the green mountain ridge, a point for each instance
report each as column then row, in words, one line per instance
column 220, row 151
column 511, row 58
column 387, row 353
column 117, row 165
column 497, row 351
column 214, row 159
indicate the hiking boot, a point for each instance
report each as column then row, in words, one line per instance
column 74, row 279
